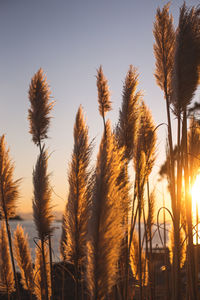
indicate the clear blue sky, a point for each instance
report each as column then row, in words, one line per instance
column 69, row 40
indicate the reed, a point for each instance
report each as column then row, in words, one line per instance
column 105, row 226
column 127, row 126
column 41, row 106
column 7, row 282
column 79, row 199
column 42, row 207
column 8, row 197
column 126, row 132
column 103, row 95
column 184, row 83
column 39, row 119
column 23, row 258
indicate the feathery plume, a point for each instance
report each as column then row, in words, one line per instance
column 164, row 48
column 9, row 188
column 103, row 93
column 134, row 258
column 7, row 283
column 77, row 208
column 105, row 227
column 126, row 130
column 39, row 284
column 140, row 177
column 187, row 58
column 42, row 196
column 8, row 196
column 23, row 258
column 151, row 213
column 147, row 137
column 182, row 247
column 38, row 114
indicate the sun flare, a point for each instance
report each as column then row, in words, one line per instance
column 196, row 205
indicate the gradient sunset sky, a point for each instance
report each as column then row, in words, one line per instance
column 69, row 40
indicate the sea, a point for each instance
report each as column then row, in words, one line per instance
column 30, row 229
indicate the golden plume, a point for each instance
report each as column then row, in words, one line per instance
column 7, row 283
column 164, row 48
column 147, row 137
column 39, row 284
column 103, row 94
column 151, row 213
column 134, row 258
column 23, row 258
column 182, row 246
column 187, row 58
column 38, row 114
column 105, row 226
column 77, row 208
column 42, row 197
column 8, row 187
column 126, row 130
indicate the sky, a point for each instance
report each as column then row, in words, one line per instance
column 70, row 40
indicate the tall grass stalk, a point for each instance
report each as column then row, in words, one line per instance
column 7, row 282
column 105, row 226
column 41, row 206
column 126, row 132
column 38, row 115
column 79, row 200
column 103, row 95
column 8, row 196
column 23, row 258
column 184, row 83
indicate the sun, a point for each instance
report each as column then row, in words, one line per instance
column 196, row 205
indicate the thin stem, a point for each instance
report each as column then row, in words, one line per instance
column 44, row 269
column 51, row 267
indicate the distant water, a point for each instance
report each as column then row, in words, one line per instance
column 29, row 227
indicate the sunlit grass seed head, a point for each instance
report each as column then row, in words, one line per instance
column 186, row 69
column 41, row 106
column 23, row 258
column 7, row 283
column 164, row 35
column 9, row 191
column 103, row 93
column 42, row 208
column 126, row 130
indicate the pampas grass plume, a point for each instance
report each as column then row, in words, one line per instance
column 9, row 188
column 134, row 258
column 187, row 58
column 23, row 258
column 103, row 93
column 105, row 227
column 7, row 283
column 42, row 197
column 38, row 114
column 77, row 209
column 164, row 48
column 126, row 130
